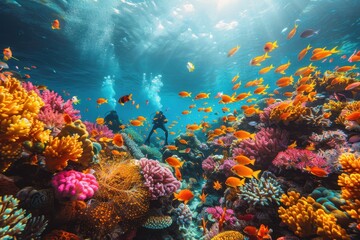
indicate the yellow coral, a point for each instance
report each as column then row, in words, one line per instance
column 18, row 120
column 288, row 112
column 229, row 235
column 350, row 184
column 335, row 106
column 335, row 82
column 304, row 220
column 350, row 108
column 60, row 150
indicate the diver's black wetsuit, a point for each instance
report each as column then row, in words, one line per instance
column 112, row 121
column 159, row 120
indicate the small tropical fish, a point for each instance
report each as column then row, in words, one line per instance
column 266, row 69
column 263, row 232
column 136, row 123
column 250, row 230
column 259, row 59
column 171, row 147
column 236, row 86
column 101, row 101
column 183, row 141
column 192, row 106
column 308, row 33
column 118, row 140
column 43, row 87
column 185, row 112
column 141, row 118
column 8, row 54
column 234, row 182
column 202, row 96
column 319, row 172
column 190, row 66
column 241, row 159
column 323, row 54
column 75, row 100
column 178, row 174
column 236, row 77
column 184, row 195
column 233, row 51
column 281, row 69
column 55, row 24
column 292, row 32
column 217, row 185
column 253, row 123
column 137, row 106
column 243, row 171
column 100, row 121
column 354, row 116
column 184, row 94
column 346, row 68
column 124, row 99
column 270, row 46
column 261, row 89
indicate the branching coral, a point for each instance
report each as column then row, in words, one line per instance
column 343, row 118
column 304, row 220
column 13, row 219
column 123, row 184
column 183, row 215
column 18, row 113
column 263, row 192
column 349, row 181
column 60, row 150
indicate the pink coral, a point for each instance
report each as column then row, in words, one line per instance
column 299, row 159
column 74, row 185
column 216, row 213
column 159, row 180
column 267, row 143
column 209, row 165
column 51, row 119
column 98, row 131
column 30, row 87
column 224, row 141
column 226, row 167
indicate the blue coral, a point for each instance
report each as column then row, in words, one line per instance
column 263, row 192
column 183, row 215
column 13, row 219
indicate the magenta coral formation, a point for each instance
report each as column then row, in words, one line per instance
column 329, row 138
column 266, row 145
column 224, row 141
column 217, row 211
column 51, row 119
column 293, row 158
column 159, row 180
column 226, row 166
column 74, row 185
column 209, row 165
column 98, row 131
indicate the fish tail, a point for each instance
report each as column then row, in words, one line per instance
column 308, row 47
column 252, row 162
column 334, row 50
column 256, row 174
column 275, row 44
column 130, row 96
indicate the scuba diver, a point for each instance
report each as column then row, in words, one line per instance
column 112, row 121
column 159, row 120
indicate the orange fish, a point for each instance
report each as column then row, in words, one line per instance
column 250, row 230
column 281, row 69
column 241, row 134
column 259, row 59
column 225, row 109
column 243, row 171
column 67, row 119
column 292, row 32
column 270, row 46
column 193, row 127
column 178, row 174
column 234, row 182
column 55, row 24
column 323, row 54
column 263, row 232
column 261, row 89
column 141, row 118
column 241, row 159
column 100, row 121
column 174, row 162
column 304, row 52
column 202, row 96
column 101, row 101
column 236, row 77
column 118, row 140
column 171, row 147
column 319, row 172
column 352, row 85
column 236, row 86
column 185, row 112
column 266, row 69
column 233, row 51
column 203, row 197
column 192, row 106
column 8, row 54
column 285, row 81
column 184, row 94
column 136, row 123
column 346, row 68
column 288, row 94
column 353, row 116
column 217, row 185
column 227, row 99
column 270, row 101
column 184, row 195
column 208, row 109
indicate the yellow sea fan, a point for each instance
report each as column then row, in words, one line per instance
column 60, row 150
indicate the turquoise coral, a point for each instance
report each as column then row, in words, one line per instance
column 13, row 219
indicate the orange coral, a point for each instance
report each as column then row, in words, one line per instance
column 288, row 112
column 60, row 150
column 349, row 181
column 61, row 235
column 229, row 235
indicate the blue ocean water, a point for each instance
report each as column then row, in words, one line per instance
column 127, row 39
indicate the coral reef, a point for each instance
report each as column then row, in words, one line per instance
column 229, row 235
column 132, row 146
column 217, row 211
column 61, row 235
column 160, row 180
column 74, row 185
column 263, row 192
column 13, row 219
column 345, row 116
column 183, row 215
column 151, row 152
column 97, row 131
column 134, row 135
column 157, row 222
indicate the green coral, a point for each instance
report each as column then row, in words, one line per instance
column 151, row 152
column 135, row 136
column 13, row 219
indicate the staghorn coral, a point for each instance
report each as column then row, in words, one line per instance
column 60, row 235
column 349, row 181
column 157, row 222
column 229, row 235
column 266, row 145
column 122, row 183
column 263, row 192
column 13, row 219
column 99, row 219
column 304, row 220
column 74, row 185
column 60, row 150
column 159, row 180
column 18, row 120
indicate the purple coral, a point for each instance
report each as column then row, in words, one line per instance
column 74, row 185
column 216, row 213
column 209, row 165
column 226, row 166
column 266, row 145
column 159, row 180
column 98, row 131
column 224, row 141
column 299, row 159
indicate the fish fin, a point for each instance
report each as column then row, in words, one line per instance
column 176, row 195
column 334, row 50
column 256, row 174
column 275, row 44
column 130, row 96
column 252, row 162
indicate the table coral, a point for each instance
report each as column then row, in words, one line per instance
column 60, row 150
column 19, row 109
column 13, row 219
column 349, row 181
column 74, row 185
